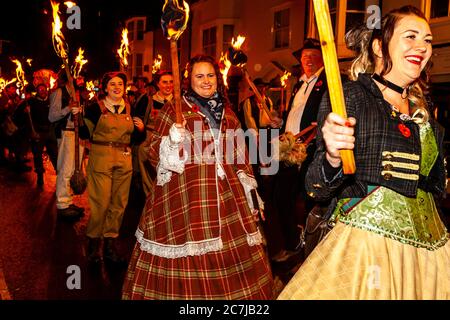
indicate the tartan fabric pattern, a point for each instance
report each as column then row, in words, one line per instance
column 195, row 207
column 376, row 131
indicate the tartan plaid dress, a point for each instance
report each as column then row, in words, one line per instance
column 197, row 238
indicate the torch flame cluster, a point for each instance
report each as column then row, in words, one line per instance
column 284, row 78
column 157, row 64
column 225, row 66
column 79, row 63
column 236, row 44
column 124, row 50
column 90, row 87
column 174, row 29
column 21, row 81
column 59, row 43
column 4, row 83
column 225, row 63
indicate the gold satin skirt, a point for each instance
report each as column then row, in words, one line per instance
column 355, row 264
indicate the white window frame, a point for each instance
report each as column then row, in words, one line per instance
column 288, row 27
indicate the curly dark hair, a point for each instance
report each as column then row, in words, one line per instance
column 187, row 86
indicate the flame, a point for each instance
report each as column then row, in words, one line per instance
column 70, row 4
column 90, row 87
column 21, row 82
column 124, row 49
column 79, row 63
column 52, row 82
column 225, row 65
column 29, row 61
column 59, row 43
column 238, row 43
column 157, row 64
column 284, row 78
column 171, row 27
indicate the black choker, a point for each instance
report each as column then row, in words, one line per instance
column 388, row 84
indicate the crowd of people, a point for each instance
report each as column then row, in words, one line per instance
column 213, row 223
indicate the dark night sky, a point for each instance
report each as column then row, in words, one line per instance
column 29, row 28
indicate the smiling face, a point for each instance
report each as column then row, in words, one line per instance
column 204, row 79
column 311, row 61
column 410, row 49
column 165, row 85
column 115, row 88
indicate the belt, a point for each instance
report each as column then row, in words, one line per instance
column 112, row 144
column 68, row 129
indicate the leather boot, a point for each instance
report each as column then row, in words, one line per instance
column 94, row 252
column 110, row 253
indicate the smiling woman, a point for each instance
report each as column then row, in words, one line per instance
column 388, row 241
column 198, row 237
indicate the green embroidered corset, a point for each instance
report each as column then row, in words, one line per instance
column 413, row 221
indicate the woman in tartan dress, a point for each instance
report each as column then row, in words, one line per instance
column 198, row 237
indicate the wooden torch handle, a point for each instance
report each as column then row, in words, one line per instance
column 176, row 80
column 330, row 60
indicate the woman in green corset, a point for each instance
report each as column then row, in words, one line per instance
column 388, row 241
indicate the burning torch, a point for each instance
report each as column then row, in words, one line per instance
column 157, row 64
column 124, row 50
column 174, row 21
column 238, row 58
column 78, row 182
column 283, row 80
column 330, row 60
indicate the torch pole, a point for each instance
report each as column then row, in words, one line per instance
column 257, row 94
column 330, row 60
column 176, row 80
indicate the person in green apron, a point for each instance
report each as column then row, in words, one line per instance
column 388, row 240
column 110, row 128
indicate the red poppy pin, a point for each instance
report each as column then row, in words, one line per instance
column 155, row 113
column 319, row 83
column 195, row 108
column 404, row 130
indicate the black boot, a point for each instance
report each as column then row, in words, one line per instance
column 94, row 252
column 110, row 253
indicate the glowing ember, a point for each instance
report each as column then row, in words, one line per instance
column 157, row 64
column 284, row 78
column 174, row 19
column 225, row 65
column 59, row 43
column 79, row 63
column 29, row 61
column 124, row 50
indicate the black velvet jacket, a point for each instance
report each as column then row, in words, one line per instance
column 380, row 142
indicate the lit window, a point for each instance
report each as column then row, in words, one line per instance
column 140, row 30
column 130, row 27
column 209, row 41
column 228, row 34
column 281, row 28
column 439, row 8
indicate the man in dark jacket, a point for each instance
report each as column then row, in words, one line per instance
column 290, row 197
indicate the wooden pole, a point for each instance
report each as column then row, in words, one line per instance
column 176, row 80
column 257, row 94
column 330, row 60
